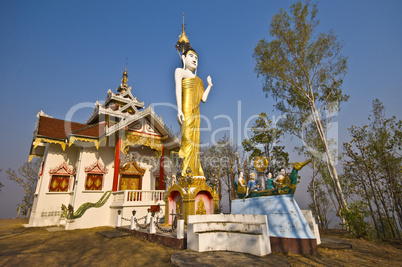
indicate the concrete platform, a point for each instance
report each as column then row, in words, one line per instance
column 288, row 229
column 229, row 232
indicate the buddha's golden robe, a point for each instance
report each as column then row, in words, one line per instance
column 192, row 91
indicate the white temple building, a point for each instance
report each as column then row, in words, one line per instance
column 116, row 160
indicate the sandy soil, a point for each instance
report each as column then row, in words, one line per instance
column 21, row 246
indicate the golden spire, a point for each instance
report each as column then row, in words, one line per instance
column 183, row 43
column 125, row 77
column 123, row 86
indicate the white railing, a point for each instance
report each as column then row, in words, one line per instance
column 141, row 195
column 137, row 196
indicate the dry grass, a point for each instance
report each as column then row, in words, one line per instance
column 21, row 246
column 364, row 253
column 37, row 247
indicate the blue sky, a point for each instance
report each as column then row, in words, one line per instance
column 57, row 54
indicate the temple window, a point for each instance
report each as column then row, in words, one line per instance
column 94, row 181
column 59, row 183
column 95, row 174
column 61, row 178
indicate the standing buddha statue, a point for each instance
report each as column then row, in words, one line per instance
column 189, row 92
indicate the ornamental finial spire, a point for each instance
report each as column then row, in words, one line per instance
column 123, row 86
column 183, row 43
column 125, row 77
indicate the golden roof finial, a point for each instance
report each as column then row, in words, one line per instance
column 183, row 43
column 125, row 77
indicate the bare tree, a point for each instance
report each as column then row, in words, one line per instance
column 26, row 177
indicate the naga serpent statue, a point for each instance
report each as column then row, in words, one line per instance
column 70, row 214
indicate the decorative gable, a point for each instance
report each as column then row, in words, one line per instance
column 96, row 167
column 132, row 168
column 144, row 126
column 62, row 169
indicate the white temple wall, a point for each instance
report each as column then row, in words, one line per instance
column 48, row 205
column 94, row 217
column 38, row 187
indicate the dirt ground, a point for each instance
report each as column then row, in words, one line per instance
column 21, row 246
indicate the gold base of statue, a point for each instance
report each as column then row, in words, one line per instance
column 188, row 193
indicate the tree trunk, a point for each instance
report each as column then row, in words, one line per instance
column 317, row 209
column 330, row 164
column 362, row 181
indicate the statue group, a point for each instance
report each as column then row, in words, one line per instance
column 283, row 184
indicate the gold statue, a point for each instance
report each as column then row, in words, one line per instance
column 201, row 208
column 189, row 92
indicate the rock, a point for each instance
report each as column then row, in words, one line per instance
column 333, row 243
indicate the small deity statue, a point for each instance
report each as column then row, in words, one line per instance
column 280, row 179
column 241, row 184
column 252, row 185
column 189, row 92
column 173, row 179
column 270, row 181
column 200, row 208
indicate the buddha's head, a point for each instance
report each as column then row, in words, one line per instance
column 190, row 60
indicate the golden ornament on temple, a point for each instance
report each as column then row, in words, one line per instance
column 125, row 77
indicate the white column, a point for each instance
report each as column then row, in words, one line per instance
column 180, row 229
column 118, row 222
column 152, row 229
column 148, row 218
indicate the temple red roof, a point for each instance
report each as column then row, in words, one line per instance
column 60, row 129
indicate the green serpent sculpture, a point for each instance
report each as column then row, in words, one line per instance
column 70, row 214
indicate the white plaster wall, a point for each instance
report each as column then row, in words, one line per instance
column 94, row 217
column 49, row 202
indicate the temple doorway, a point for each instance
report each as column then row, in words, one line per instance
column 130, row 182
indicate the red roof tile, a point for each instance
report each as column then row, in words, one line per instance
column 60, row 129
column 94, row 130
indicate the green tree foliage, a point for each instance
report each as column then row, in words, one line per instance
column 263, row 142
column 303, row 71
column 372, row 168
column 355, row 216
column 26, row 176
